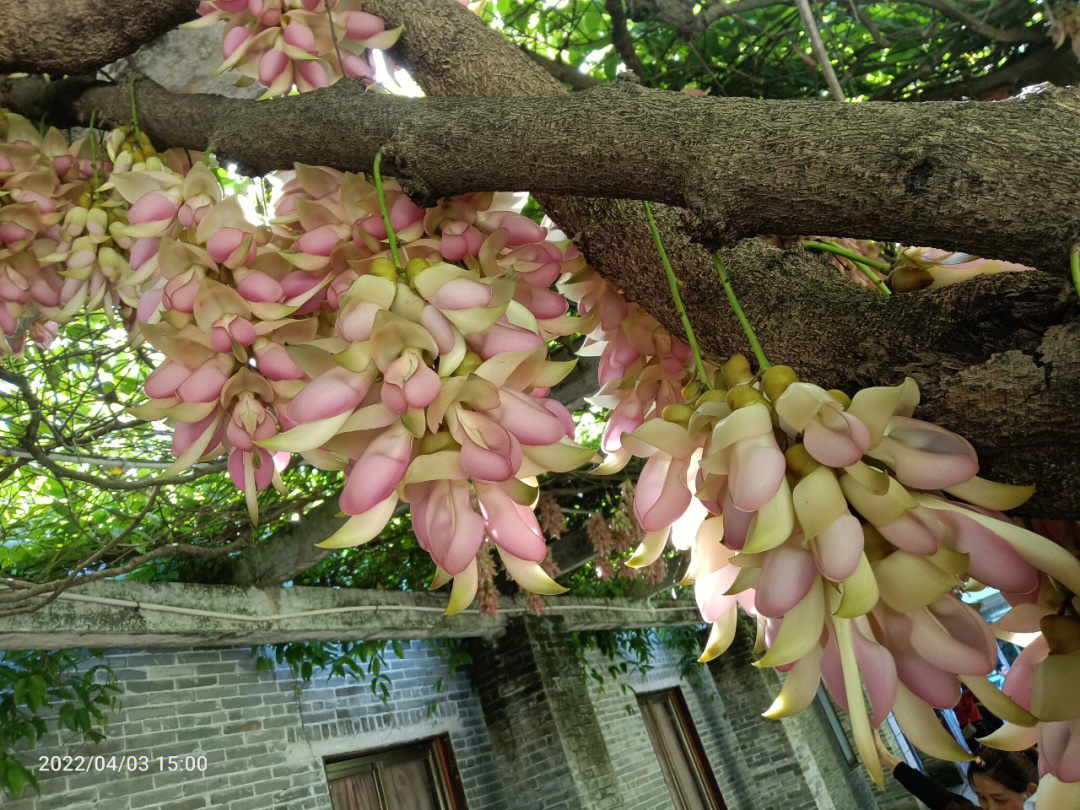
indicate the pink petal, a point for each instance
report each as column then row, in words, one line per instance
column 152, row 207
column 234, row 39
column 404, row 212
column 993, row 560
column 361, row 25
column 501, row 337
column 300, row 36
column 313, row 73
column 512, row 527
column 756, row 473
column 1018, row 679
column 378, row 471
column 275, row 364
column 143, row 250
column 462, row 293
column 829, row 447
column 878, row 672
column 185, row 434
column 528, row 420
column 258, row 287
column 736, row 524
column 222, row 243
column 319, row 242
column 910, row 534
column 787, row 574
column 926, row 456
column 839, row 548
column 422, row 387
column 355, row 322
column 562, row 414
column 331, row 393
column 439, row 327
column 453, row 247
column 204, row 384
column 454, row 531
column 661, row 495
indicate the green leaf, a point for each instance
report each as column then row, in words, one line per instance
column 16, row 776
column 38, row 692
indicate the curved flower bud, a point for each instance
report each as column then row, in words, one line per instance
column 925, row 456
column 511, row 526
column 274, row 362
column 378, row 471
column 662, row 493
column 409, row 383
column 451, row 529
column 333, row 392
column 204, row 384
column 488, row 451
column 835, row 535
column 528, row 419
column 504, row 337
column 831, row 436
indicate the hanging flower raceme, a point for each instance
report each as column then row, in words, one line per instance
column 846, row 527
column 68, row 242
column 423, row 381
column 305, row 44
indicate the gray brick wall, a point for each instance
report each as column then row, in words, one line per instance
column 530, row 729
column 521, row 722
column 264, row 739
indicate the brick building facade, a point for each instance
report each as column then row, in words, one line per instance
column 529, row 728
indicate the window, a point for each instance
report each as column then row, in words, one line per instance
column 421, row 776
column 682, row 759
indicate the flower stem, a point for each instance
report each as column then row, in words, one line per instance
column 674, row 284
column 333, row 36
column 859, row 261
column 385, row 214
column 763, row 362
column 1074, row 266
column 93, row 146
column 135, row 111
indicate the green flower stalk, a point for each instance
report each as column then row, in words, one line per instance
column 763, row 362
column 386, row 214
column 861, row 262
column 674, row 284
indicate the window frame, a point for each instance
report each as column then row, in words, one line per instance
column 438, row 756
column 693, row 749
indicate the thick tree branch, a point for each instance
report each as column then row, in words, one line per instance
column 1005, row 348
column 917, row 174
column 80, row 36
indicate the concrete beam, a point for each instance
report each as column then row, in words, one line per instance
column 168, row 614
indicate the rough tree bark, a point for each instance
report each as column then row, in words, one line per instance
column 919, row 174
column 998, row 358
column 80, row 36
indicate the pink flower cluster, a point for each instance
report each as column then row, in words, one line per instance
column 847, row 528
column 306, row 44
column 424, row 381
column 421, row 373
column 60, row 251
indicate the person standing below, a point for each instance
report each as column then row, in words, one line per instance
column 1001, row 780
